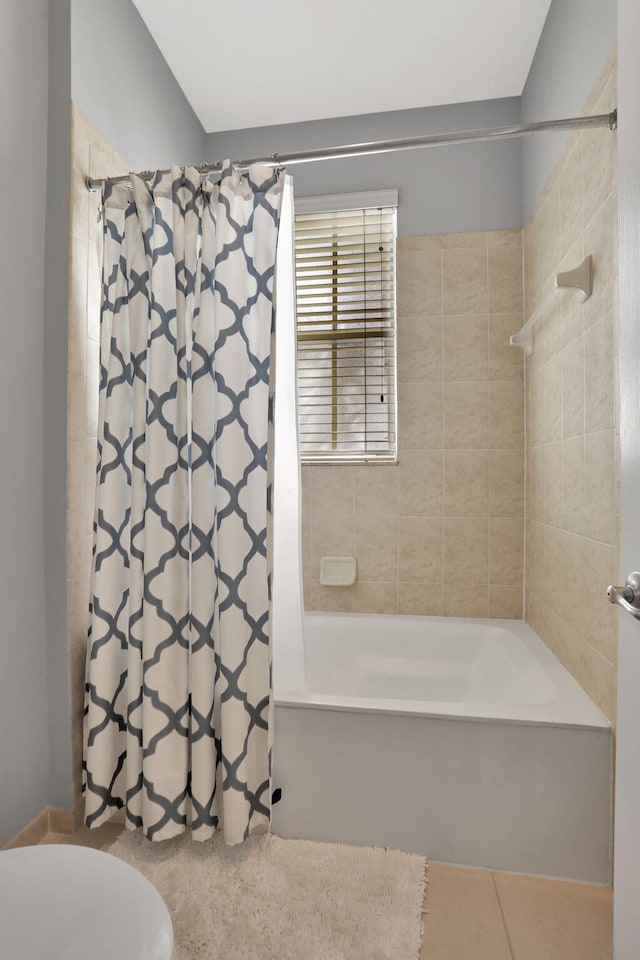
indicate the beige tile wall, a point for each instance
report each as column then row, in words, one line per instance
column 572, row 505
column 91, row 156
column 441, row 532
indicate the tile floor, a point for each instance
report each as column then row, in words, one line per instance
column 482, row 915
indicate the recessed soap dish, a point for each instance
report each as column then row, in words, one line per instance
column 337, row 571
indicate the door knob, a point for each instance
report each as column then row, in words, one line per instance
column 627, row 597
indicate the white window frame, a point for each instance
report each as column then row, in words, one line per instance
column 369, row 199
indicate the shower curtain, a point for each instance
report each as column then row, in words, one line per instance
column 178, row 689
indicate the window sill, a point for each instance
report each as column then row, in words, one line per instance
column 332, row 461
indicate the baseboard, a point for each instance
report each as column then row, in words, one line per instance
column 78, row 816
column 33, row 832
column 49, row 820
column 61, row 820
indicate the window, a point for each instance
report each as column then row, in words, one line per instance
column 346, row 320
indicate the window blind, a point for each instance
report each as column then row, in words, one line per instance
column 345, row 292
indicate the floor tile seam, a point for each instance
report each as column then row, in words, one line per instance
column 503, row 917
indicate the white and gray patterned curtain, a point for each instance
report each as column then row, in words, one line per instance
column 178, row 690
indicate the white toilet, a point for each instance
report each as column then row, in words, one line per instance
column 63, row 902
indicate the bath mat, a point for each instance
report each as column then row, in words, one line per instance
column 275, row 899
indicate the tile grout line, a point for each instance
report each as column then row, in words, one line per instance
column 443, row 599
column 504, row 919
column 397, row 518
column 490, row 422
column 525, row 434
column 354, row 535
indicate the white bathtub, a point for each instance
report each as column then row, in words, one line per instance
column 465, row 740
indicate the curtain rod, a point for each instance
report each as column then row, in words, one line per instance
column 609, row 120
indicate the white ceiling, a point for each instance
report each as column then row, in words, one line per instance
column 256, row 63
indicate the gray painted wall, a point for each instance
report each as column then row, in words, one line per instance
column 55, row 405
column 441, row 189
column 576, row 40
column 24, row 761
column 121, row 81
column 136, row 102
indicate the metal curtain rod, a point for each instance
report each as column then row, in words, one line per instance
column 609, row 120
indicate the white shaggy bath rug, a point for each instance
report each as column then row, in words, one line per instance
column 275, row 899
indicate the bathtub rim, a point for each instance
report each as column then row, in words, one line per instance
column 572, row 709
